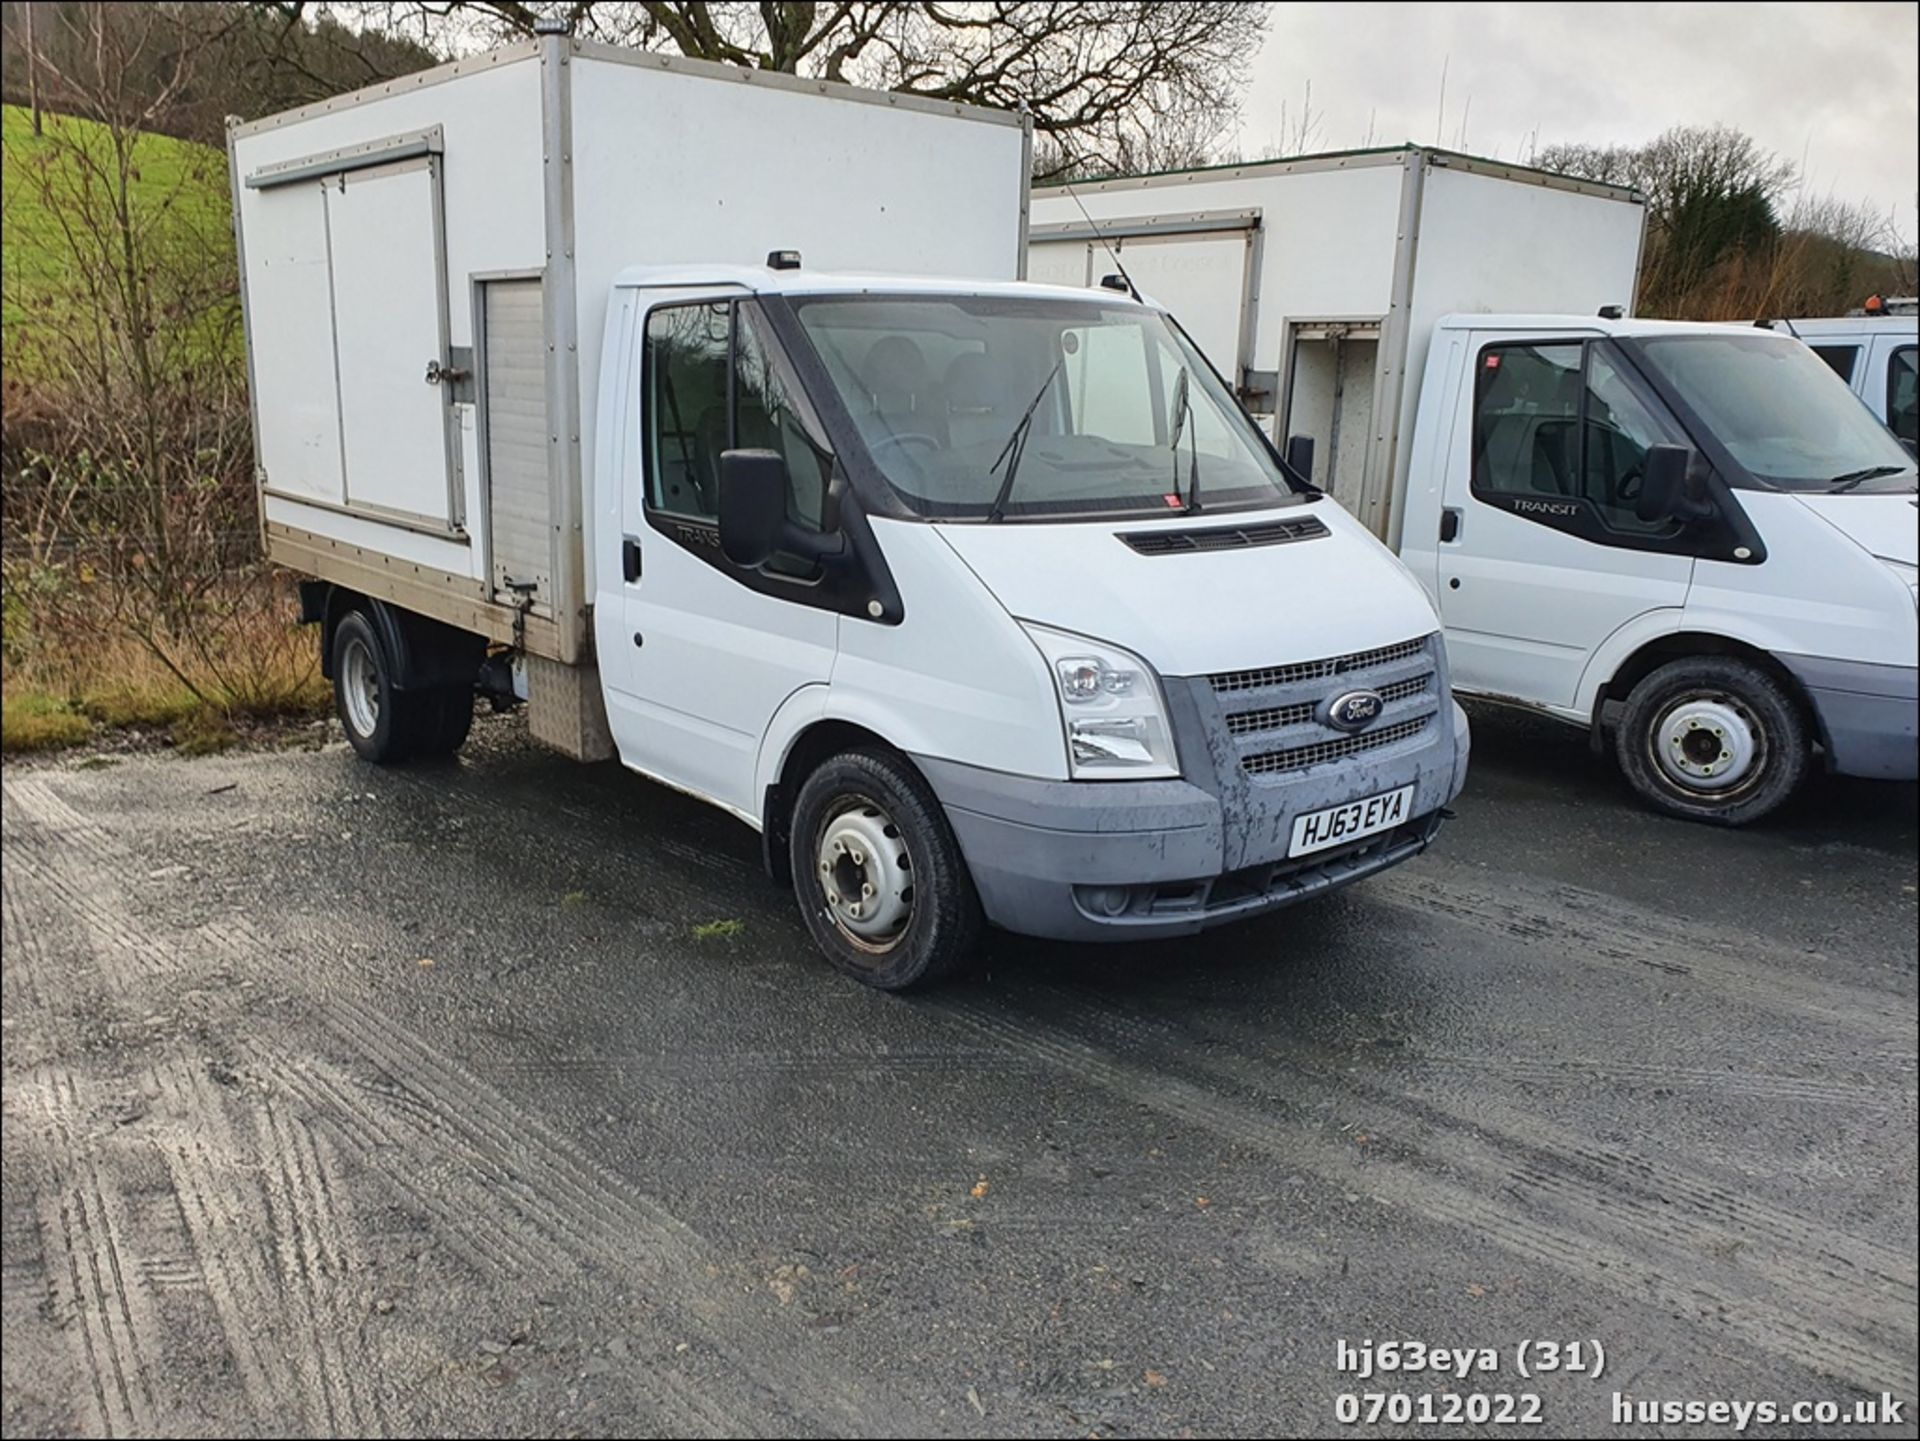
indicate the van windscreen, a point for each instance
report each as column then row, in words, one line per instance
column 937, row 386
column 1781, row 412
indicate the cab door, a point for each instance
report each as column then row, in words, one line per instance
column 710, row 650
column 1540, row 555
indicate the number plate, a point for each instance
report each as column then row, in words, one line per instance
column 1317, row 830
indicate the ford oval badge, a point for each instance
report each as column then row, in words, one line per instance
column 1354, row 711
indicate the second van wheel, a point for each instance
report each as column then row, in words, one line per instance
column 879, row 876
column 1712, row 738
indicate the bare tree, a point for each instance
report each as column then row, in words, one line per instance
column 1107, row 81
column 126, row 435
column 1730, row 234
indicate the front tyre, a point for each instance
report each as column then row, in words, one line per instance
column 878, row 874
column 1712, row 738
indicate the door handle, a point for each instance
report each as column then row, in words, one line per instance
column 1449, row 524
column 630, row 559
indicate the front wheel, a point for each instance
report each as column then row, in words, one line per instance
column 1712, row 738
column 879, row 876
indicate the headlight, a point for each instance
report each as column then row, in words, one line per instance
column 1110, row 703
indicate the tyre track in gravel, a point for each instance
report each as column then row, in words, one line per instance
column 579, row 1216
column 238, row 1218
column 1569, row 925
column 1607, row 1193
column 1640, row 1076
column 88, row 1279
column 1628, row 1257
column 1554, row 1158
column 247, row 1234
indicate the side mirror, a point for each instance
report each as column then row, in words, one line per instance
column 753, row 513
column 753, row 505
column 1300, row 456
column 1668, row 488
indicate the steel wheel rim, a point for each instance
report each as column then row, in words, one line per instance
column 360, row 687
column 1710, row 745
column 865, row 874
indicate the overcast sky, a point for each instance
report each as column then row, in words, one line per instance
column 1833, row 84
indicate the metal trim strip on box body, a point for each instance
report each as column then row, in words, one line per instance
column 440, row 595
column 365, row 155
column 1304, row 165
column 1026, row 191
column 567, row 557
column 246, row 331
column 385, row 515
column 1390, row 379
column 1359, row 160
column 1137, row 227
column 797, row 84
column 438, row 75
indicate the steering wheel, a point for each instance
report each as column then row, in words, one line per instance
column 907, row 437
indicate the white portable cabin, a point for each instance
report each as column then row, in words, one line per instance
column 426, row 268
column 1313, row 284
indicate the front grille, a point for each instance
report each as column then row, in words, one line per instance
column 1274, row 717
column 1299, row 757
column 1224, row 537
column 1227, row 682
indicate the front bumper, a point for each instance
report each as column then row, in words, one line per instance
column 1869, row 715
column 1136, row 860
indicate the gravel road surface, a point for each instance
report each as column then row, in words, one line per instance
column 507, row 1097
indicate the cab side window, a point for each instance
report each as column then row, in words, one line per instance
column 687, row 359
column 1526, row 414
column 1840, row 358
column 1561, row 435
column 1619, row 430
column 1902, row 416
column 715, row 382
column 767, row 416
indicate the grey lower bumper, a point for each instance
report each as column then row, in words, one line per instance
column 1087, row 861
column 1869, row 715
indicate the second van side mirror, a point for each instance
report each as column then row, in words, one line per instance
column 1300, row 456
column 1669, row 490
column 753, row 512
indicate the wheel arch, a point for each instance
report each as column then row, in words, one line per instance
column 424, row 652
column 1612, row 692
column 814, row 743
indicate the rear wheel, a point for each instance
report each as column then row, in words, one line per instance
column 385, row 724
column 441, row 719
column 363, row 693
column 879, row 876
column 1712, row 738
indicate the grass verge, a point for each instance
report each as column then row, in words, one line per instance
column 65, row 690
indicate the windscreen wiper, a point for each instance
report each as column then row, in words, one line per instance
column 1182, row 417
column 1860, row 477
column 1016, row 445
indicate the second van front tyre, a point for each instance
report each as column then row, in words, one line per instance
column 879, row 876
column 1714, row 739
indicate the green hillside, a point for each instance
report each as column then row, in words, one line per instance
column 53, row 203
